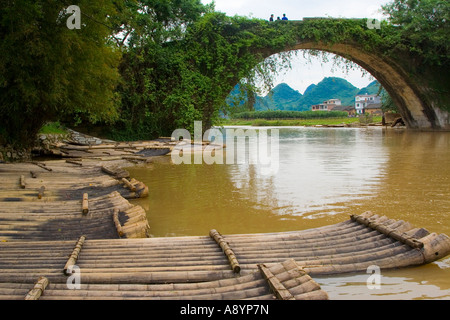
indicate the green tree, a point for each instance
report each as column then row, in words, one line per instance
column 49, row 72
column 185, row 75
column 150, row 89
column 424, row 28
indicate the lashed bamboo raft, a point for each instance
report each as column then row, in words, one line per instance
column 136, row 151
column 255, row 286
column 63, row 201
column 133, row 151
column 64, row 181
column 341, row 248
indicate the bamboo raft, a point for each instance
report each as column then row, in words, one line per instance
column 61, row 180
column 133, row 151
column 59, row 200
column 347, row 247
column 282, row 281
column 136, row 151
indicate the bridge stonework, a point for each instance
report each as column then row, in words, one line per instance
column 421, row 106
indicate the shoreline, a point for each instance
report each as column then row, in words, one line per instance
column 327, row 122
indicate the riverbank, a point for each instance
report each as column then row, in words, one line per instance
column 332, row 122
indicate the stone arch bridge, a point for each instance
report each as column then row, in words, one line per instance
column 421, row 105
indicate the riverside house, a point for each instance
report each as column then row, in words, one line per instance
column 326, row 105
column 362, row 103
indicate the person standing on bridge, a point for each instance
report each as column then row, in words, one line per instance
column 284, row 17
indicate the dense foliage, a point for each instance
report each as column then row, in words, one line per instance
column 169, row 84
column 425, row 28
column 49, row 72
column 423, row 31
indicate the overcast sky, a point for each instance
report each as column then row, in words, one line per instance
column 304, row 73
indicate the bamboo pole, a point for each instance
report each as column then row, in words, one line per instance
column 41, row 192
column 22, row 181
column 38, row 289
column 137, row 158
column 142, row 193
column 78, row 163
column 435, row 247
column 116, row 172
column 129, row 185
column 314, row 295
column 226, row 249
column 117, row 222
column 155, row 277
column 43, row 166
column 111, row 146
column 85, row 204
column 74, row 256
column 305, row 287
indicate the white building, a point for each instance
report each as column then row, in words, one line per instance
column 362, row 101
column 335, row 102
column 326, row 105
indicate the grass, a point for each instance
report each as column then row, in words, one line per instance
column 53, row 128
column 295, row 122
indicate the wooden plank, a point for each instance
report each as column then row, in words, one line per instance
column 410, row 241
column 275, row 285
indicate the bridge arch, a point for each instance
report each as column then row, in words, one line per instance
column 411, row 97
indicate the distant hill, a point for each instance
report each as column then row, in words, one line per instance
column 372, row 88
column 283, row 97
column 279, row 98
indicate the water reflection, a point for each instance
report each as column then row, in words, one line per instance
column 319, row 166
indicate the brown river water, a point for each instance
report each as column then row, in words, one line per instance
column 323, row 175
